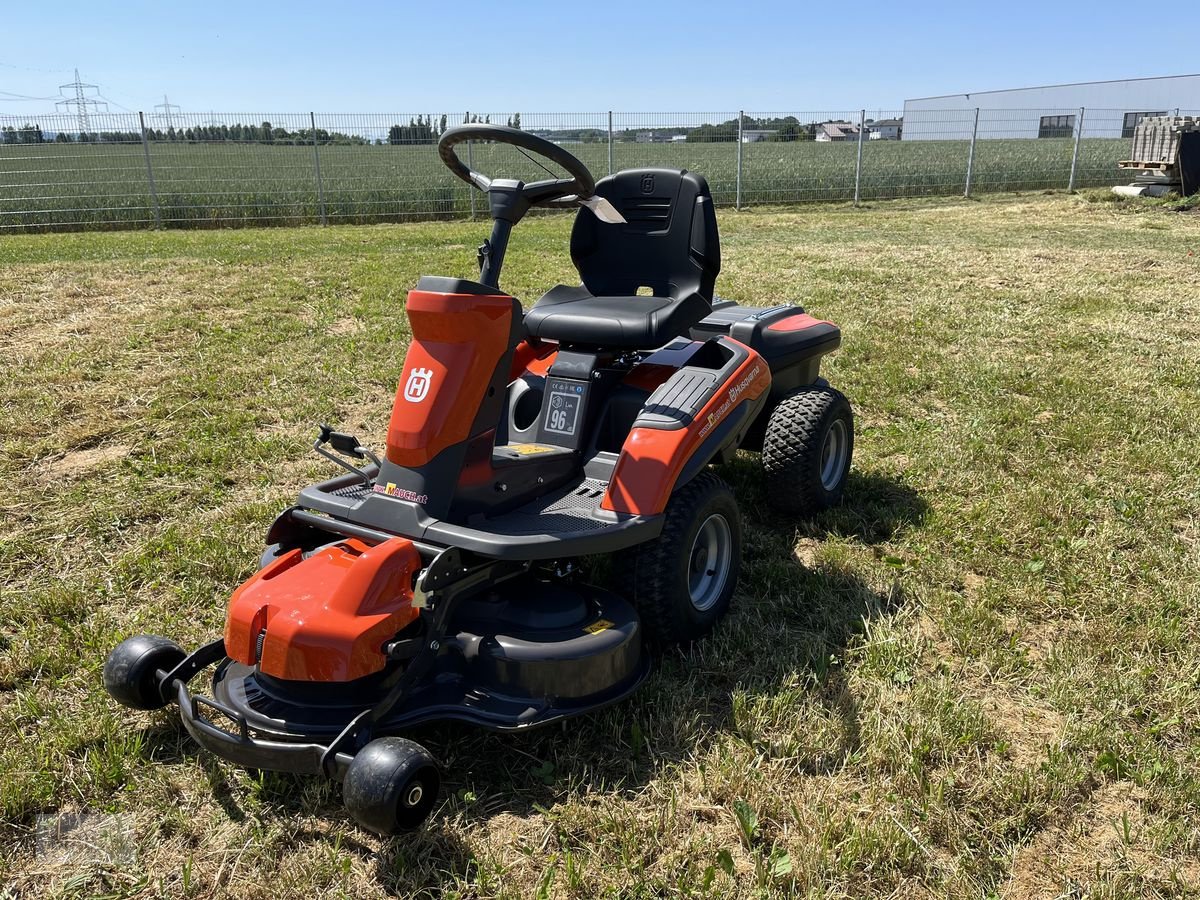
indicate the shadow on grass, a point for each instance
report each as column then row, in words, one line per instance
column 875, row 507
column 775, row 659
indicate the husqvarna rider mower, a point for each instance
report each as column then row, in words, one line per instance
column 441, row 579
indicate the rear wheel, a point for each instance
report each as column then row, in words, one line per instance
column 807, row 449
column 391, row 785
column 682, row 582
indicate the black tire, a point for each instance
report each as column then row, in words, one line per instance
column 131, row 670
column 658, row 577
column 807, row 450
column 391, row 785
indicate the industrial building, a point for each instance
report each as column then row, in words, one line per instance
column 1111, row 109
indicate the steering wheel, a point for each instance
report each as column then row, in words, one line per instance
column 548, row 192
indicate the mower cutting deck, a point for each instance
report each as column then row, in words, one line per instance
column 442, row 580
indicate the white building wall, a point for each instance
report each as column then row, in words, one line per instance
column 1017, row 113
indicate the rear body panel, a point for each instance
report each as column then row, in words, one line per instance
column 680, row 429
column 791, row 341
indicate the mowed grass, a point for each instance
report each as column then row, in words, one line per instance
column 978, row 676
column 49, row 186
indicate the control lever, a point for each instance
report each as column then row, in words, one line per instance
column 347, row 445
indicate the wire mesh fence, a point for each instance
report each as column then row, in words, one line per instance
column 109, row 170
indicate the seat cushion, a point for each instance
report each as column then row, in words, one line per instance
column 572, row 315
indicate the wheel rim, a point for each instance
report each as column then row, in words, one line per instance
column 708, row 566
column 413, row 795
column 417, row 798
column 833, row 455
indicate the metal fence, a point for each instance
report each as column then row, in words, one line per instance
column 209, row 170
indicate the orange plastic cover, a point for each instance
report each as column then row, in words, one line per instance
column 652, row 459
column 798, row 322
column 458, row 340
column 326, row 617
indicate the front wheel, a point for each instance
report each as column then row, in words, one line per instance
column 132, row 672
column 391, row 785
column 682, row 582
column 807, row 449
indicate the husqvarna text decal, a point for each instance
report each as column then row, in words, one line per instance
column 734, row 393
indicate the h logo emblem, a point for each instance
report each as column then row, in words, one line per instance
column 417, row 385
column 647, row 184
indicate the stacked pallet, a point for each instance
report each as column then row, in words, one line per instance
column 1165, row 157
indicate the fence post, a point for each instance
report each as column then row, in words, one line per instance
column 737, row 203
column 150, row 173
column 971, row 153
column 471, row 189
column 862, row 126
column 312, row 119
column 610, row 142
column 1075, row 152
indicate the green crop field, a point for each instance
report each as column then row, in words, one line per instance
column 66, row 186
column 978, row 676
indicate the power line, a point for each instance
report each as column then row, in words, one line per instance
column 81, row 101
column 115, row 103
column 7, row 95
column 33, row 69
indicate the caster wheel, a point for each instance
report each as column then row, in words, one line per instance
column 391, row 785
column 131, row 670
column 682, row 583
column 807, row 449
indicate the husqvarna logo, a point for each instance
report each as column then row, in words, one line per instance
column 647, row 184
column 417, row 385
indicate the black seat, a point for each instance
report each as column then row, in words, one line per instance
column 669, row 244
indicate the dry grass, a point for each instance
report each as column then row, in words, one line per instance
column 979, row 676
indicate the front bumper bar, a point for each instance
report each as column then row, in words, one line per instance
column 301, row 758
column 248, row 751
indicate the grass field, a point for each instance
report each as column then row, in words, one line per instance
column 979, row 676
column 106, row 185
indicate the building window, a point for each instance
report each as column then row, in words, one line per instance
column 1056, row 126
column 1132, row 119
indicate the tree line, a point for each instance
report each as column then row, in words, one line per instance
column 427, row 130
column 786, row 129
column 266, row 133
column 419, row 130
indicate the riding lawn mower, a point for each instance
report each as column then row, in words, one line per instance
column 442, row 579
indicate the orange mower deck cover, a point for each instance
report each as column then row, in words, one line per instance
column 326, row 617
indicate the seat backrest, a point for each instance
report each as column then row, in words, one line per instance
column 669, row 242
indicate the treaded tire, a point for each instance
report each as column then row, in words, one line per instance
column 657, row 576
column 391, row 785
column 131, row 670
column 794, row 446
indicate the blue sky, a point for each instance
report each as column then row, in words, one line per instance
column 557, row 57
